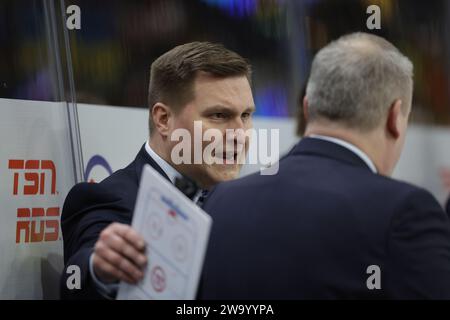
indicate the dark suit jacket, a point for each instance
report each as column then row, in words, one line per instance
column 312, row 231
column 448, row 206
column 88, row 209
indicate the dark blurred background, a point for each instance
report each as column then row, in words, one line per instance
column 118, row 41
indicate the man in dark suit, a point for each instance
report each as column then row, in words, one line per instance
column 331, row 224
column 196, row 85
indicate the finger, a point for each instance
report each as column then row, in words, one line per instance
column 119, row 262
column 118, row 244
column 130, row 235
column 102, row 267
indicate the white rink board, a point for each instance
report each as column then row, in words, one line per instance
column 36, row 133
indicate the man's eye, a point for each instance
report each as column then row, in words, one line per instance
column 246, row 115
column 219, row 115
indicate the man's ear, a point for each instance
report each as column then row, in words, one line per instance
column 305, row 109
column 394, row 119
column 161, row 114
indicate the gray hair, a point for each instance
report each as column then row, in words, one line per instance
column 355, row 80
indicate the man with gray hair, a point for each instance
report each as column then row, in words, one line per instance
column 332, row 224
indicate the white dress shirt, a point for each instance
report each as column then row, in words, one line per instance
column 350, row 147
column 164, row 165
column 168, row 169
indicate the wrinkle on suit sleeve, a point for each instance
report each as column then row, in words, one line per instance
column 88, row 209
column 418, row 249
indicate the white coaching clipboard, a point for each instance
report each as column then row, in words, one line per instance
column 176, row 232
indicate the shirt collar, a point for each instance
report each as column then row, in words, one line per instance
column 165, row 166
column 350, row 147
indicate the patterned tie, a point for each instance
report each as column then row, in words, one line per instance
column 202, row 198
column 187, row 186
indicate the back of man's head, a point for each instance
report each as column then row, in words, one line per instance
column 356, row 79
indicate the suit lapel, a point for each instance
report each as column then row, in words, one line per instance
column 143, row 158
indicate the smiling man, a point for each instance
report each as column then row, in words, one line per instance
column 198, row 82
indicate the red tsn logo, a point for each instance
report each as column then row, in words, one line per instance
column 35, row 224
column 37, row 179
column 48, row 229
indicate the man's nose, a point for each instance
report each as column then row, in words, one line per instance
column 237, row 124
column 236, row 136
